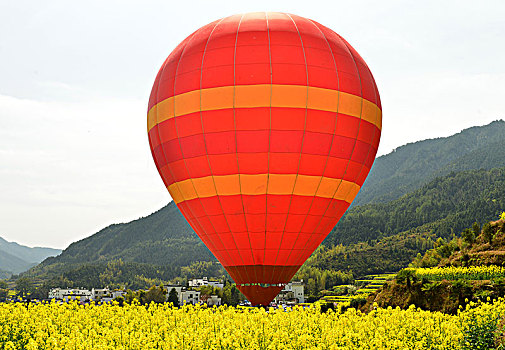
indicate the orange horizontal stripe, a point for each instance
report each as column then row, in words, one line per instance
column 260, row 184
column 264, row 95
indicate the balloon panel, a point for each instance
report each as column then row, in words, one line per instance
column 264, row 127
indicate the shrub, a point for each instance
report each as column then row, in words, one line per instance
column 479, row 332
column 357, row 302
column 406, row 276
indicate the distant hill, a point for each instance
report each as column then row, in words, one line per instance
column 16, row 258
column 163, row 238
column 411, row 166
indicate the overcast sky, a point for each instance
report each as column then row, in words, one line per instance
column 75, row 79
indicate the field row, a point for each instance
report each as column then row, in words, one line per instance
column 461, row 273
column 159, row 326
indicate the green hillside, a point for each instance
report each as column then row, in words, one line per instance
column 29, row 254
column 372, row 238
column 379, row 238
column 13, row 264
column 162, row 238
column 444, row 206
column 151, row 250
column 408, row 167
column 468, row 268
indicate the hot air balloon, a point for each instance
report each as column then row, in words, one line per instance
column 263, row 127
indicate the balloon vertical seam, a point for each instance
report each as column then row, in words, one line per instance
column 205, row 145
column 301, row 150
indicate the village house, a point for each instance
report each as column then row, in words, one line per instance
column 291, row 293
column 98, row 294
column 70, row 294
column 185, row 296
column 189, row 297
column 201, row 282
column 104, row 294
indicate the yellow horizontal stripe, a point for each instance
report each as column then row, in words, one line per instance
column 264, row 95
column 258, row 184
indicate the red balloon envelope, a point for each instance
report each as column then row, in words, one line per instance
column 263, row 128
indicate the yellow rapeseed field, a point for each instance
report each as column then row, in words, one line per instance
column 461, row 273
column 159, row 326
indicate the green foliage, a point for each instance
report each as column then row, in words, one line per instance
column 173, row 298
column 155, row 294
column 119, row 274
column 24, row 287
column 470, row 244
column 3, row 290
column 318, row 276
column 42, row 291
column 468, row 236
column 231, row 295
column 357, row 302
column 444, row 206
column 479, row 332
column 407, row 277
column 476, row 229
column 203, row 268
column 488, row 232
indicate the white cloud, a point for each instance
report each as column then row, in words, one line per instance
column 69, row 169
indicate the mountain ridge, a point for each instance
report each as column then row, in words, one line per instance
column 16, row 258
column 410, row 166
column 164, row 237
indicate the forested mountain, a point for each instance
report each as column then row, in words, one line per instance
column 409, row 167
column 444, row 206
column 386, row 237
column 16, row 258
column 163, row 238
column 381, row 236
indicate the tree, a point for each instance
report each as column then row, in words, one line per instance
column 231, row 295
column 24, row 286
column 3, row 290
column 468, row 236
column 487, row 232
column 130, row 296
column 406, row 276
column 173, row 297
column 155, row 294
column 41, row 292
column 476, row 229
